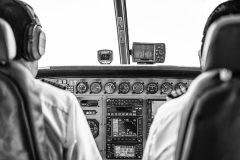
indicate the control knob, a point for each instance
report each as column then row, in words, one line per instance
column 109, row 139
column 108, row 155
column 139, row 139
column 139, row 156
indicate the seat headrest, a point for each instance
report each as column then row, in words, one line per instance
column 222, row 44
column 7, row 42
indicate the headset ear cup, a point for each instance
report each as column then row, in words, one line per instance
column 25, row 55
column 34, row 43
column 38, row 44
column 31, row 41
column 41, row 43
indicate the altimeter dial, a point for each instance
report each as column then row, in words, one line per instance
column 124, row 87
column 138, row 87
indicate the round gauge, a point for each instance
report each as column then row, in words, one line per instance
column 181, row 85
column 96, row 87
column 94, row 126
column 124, row 87
column 82, row 87
column 166, row 88
column 138, row 87
column 110, row 87
column 152, row 88
column 148, row 54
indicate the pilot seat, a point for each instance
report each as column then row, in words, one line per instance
column 210, row 125
column 22, row 129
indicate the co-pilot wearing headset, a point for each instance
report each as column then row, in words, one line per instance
column 162, row 139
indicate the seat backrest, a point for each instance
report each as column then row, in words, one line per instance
column 221, row 46
column 210, row 124
column 21, row 119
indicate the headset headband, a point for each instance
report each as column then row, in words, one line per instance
column 29, row 10
column 34, row 38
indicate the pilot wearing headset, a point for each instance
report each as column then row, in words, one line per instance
column 66, row 126
column 162, row 139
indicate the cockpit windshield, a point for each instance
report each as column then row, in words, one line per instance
column 77, row 29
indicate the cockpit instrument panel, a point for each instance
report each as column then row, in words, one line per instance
column 124, row 128
column 148, row 52
column 120, row 111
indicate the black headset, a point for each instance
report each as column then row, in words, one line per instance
column 34, row 40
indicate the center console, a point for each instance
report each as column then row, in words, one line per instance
column 124, row 131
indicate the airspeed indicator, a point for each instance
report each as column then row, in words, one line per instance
column 96, row 87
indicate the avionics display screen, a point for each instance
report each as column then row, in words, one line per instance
column 125, row 127
column 143, row 52
column 124, row 151
column 105, row 55
column 121, row 109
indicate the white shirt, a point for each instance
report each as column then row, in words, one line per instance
column 163, row 134
column 64, row 115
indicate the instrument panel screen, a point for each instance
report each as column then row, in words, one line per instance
column 125, row 127
column 124, row 151
column 121, row 109
column 144, row 51
column 105, row 56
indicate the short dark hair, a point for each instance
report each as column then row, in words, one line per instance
column 18, row 19
column 231, row 7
